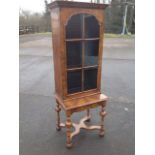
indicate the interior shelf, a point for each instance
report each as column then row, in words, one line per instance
column 85, row 67
column 82, row 39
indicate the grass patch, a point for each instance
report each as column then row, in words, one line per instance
column 106, row 35
column 46, row 33
column 111, row 35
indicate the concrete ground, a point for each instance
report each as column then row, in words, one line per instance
column 37, row 115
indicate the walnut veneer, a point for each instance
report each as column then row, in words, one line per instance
column 77, row 35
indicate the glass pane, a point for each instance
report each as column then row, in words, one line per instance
column 74, row 54
column 91, row 53
column 74, row 81
column 91, row 27
column 90, row 78
column 74, row 27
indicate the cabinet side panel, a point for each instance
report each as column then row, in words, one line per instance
column 55, row 23
column 101, row 12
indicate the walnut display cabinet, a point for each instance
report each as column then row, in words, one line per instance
column 77, row 34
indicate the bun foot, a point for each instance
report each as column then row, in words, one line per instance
column 88, row 120
column 58, row 128
column 101, row 134
column 69, row 145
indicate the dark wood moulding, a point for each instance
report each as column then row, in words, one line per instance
column 69, row 4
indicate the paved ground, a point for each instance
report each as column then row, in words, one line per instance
column 37, row 116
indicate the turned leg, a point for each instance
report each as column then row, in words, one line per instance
column 88, row 115
column 102, row 114
column 58, row 109
column 68, row 132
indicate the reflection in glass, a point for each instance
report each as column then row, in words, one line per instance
column 91, row 53
column 90, row 78
column 74, row 81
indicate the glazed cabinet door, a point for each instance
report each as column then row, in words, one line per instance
column 82, row 50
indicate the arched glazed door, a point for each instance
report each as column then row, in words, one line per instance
column 82, row 48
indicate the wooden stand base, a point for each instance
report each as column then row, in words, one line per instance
column 81, row 105
column 81, row 125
